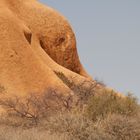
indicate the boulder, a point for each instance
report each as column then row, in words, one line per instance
column 36, row 42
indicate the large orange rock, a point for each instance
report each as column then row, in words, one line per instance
column 35, row 41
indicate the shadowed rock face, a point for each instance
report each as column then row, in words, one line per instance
column 35, row 41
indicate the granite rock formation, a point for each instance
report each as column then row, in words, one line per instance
column 36, row 41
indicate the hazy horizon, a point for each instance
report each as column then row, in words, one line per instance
column 108, row 39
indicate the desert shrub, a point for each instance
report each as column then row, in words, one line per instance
column 14, row 121
column 34, row 133
column 82, row 91
column 65, row 80
column 76, row 126
column 109, row 103
column 100, row 82
column 122, row 127
column 34, row 107
column 104, row 115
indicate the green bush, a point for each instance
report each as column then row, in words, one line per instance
column 109, row 103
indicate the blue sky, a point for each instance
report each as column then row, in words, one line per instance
column 108, row 39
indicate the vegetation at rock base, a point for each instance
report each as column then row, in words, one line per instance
column 95, row 115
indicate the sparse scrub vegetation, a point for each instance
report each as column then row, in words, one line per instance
column 95, row 115
column 76, row 126
column 35, row 107
column 110, row 103
column 83, row 91
column 122, row 127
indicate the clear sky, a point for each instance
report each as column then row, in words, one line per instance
column 108, row 39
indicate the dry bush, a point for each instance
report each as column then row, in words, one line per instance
column 10, row 133
column 34, row 107
column 105, row 116
column 122, row 127
column 14, row 121
column 100, row 82
column 76, row 126
column 110, row 103
column 82, row 91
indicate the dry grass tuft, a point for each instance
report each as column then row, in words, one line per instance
column 123, row 128
column 77, row 127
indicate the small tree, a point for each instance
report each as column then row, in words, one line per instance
column 35, row 106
